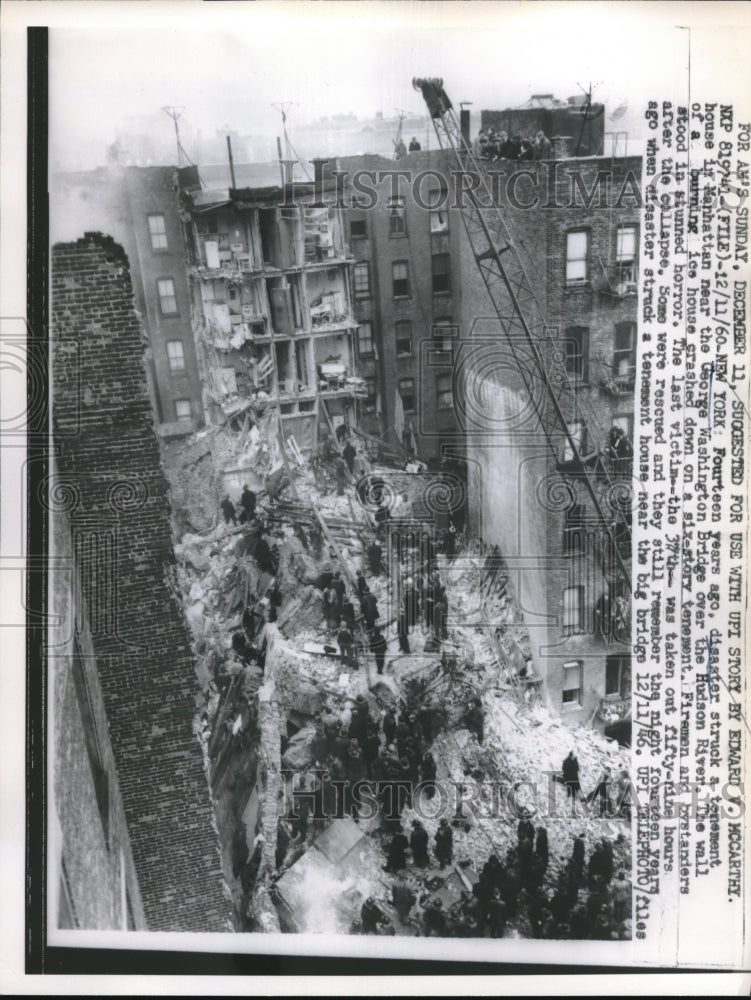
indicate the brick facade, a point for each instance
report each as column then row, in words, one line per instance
column 103, row 426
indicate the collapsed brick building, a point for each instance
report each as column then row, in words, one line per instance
column 238, row 734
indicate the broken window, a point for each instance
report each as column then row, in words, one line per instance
column 617, row 669
column 572, row 683
column 362, row 280
column 445, row 392
column 364, row 340
column 441, row 273
column 577, row 351
column 167, row 298
column 397, row 217
column 573, row 605
column 158, row 232
column 403, row 335
column 175, row 355
column 358, row 229
column 577, row 257
column 182, row 409
column 624, row 356
column 445, row 332
column 439, row 220
column 407, row 392
column 400, row 279
column 574, row 530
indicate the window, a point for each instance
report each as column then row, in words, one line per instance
column 158, row 232
column 624, row 356
column 403, row 334
column 616, row 674
column 574, row 530
column 445, row 333
column 365, row 340
column 167, row 299
column 625, row 244
column 577, row 257
column 626, row 424
column 369, row 403
column 362, row 280
column 445, row 392
column 577, row 351
column 397, row 217
column 572, row 683
column 400, row 278
column 441, row 272
column 358, row 229
column 573, row 603
column 175, row 355
column 182, row 409
column 407, row 392
column 439, row 220
column 578, row 432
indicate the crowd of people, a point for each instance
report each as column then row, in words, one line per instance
column 494, row 146
column 388, row 751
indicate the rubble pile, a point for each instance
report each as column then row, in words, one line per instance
column 266, row 703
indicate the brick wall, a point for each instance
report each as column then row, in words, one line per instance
column 103, row 426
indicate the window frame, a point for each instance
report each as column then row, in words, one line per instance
column 400, row 384
column 173, row 296
column 621, row 661
column 394, row 280
column 442, row 274
column 440, row 228
column 577, row 282
column 625, row 354
column 572, row 702
column 370, row 352
column 173, row 370
column 581, row 433
column 403, row 323
column 574, row 610
column 189, row 415
column 397, row 210
column 579, row 371
column 441, row 392
column 363, row 266
column 360, row 222
column 161, row 233
column 621, row 260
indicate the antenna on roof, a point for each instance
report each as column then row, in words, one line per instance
column 174, row 114
column 289, row 149
column 588, row 114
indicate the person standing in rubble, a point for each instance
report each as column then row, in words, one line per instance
column 346, row 646
column 248, row 501
column 428, row 773
column 396, row 859
column 340, row 471
column 349, row 452
column 403, row 898
column 434, row 919
column 228, row 510
column 444, row 843
column 378, row 648
column 418, row 842
column 370, row 610
column 362, row 585
column 375, row 557
column 475, row 719
column 348, row 613
column 570, row 769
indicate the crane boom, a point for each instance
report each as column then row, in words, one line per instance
column 542, row 367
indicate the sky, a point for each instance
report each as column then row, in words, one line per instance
column 228, row 63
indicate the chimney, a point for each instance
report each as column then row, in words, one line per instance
column 464, row 124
